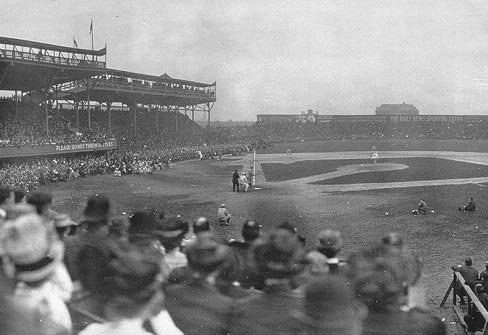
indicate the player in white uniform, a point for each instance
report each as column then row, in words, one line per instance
column 243, row 182
column 374, row 155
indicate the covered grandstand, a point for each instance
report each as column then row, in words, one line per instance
column 63, row 88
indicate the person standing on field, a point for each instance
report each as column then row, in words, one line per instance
column 235, row 181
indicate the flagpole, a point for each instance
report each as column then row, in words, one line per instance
column 91, row 33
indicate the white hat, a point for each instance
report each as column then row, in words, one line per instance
column 32, row 248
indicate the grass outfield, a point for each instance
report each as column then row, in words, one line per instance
column 419, row 168
column 198, row 187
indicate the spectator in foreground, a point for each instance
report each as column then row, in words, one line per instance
column 5, row 200
column 279, row 258
column 64, row 225
column 43, row 284
column 19, row 195
column 238, row 273
column 16, row 319
column 41, row 201
column 329, row 308
column 93, row 229
column 173, row 231
column 470, row 275
column 330, row 243
column 200, row 225
column 197, row 307
column 244, row 271
column 133, row 299
column 375, row 284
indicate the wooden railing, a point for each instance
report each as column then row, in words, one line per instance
column 473, row 302
column 122, row 85
column 48, row 59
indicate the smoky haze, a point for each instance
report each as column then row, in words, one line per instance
column 336, row 57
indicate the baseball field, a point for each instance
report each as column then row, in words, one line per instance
column 334, row 185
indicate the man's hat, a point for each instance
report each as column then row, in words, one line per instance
column 201, row 224
column 143, row 225
column 97, row 208
column 251, row 230
column 281, row 255
column 63, row 220
column 330, row 239
column 288, row 226
column 173, row 227
column 32, row 248
column 328, row 304
column 17, row 210
column 206, row 253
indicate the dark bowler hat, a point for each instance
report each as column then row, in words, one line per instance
column 251, row 230
column 173, row 227
column 144, row 225
column 206, row 253
column 281, row 255
column 328, row 304
column 97, row 209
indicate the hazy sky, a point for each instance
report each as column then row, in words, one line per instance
column 336, row 57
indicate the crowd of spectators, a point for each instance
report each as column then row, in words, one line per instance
column 24, row 124
column 28, row 174
column 383, row 130
column 140, row 274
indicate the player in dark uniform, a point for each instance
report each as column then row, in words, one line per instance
column 235, row 181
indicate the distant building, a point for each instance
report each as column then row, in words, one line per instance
column 277, row 118
column 397, row 109
column 308, row 116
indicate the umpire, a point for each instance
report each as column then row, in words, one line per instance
column 235, row 181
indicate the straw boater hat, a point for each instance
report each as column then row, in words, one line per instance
column 34, row 251
column 63, row 220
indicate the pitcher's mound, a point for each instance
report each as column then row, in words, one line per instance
column 356, row 168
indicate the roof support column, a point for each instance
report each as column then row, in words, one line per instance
column 133, row 107
column 209, row 108
column 77, row 108
column 46, row 115
column 109, row 112
column 89, row 112
column 158, row 107
column 193, row 112
column 176, row 119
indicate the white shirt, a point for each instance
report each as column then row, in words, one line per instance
column 47, row 300
column 161, row 323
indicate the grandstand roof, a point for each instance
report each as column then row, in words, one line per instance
column 34, row 66
column 41, row 45
column 28, row 65
column 164, row 78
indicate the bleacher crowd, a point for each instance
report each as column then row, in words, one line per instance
column 28, row 174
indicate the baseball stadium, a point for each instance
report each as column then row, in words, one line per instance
column 126, row 208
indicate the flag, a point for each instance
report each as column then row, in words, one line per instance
column 91, row 27
column 75, row 44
